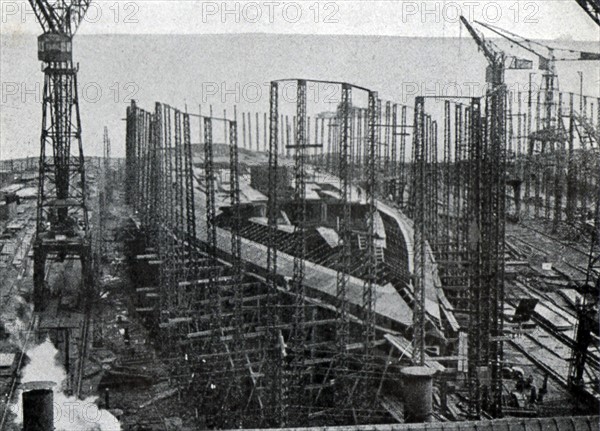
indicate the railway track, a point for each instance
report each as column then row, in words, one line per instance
column 15, row 375
column 553, row 355
column 523, row 248
column 532, row 243
column 550, row 345
column 563, row 242
column 11, row 285
column 7, row 296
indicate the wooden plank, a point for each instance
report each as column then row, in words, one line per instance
column 305, row 324
column 209, row 332
column 147, row 256
column 355, row 346
column 405, row 348
column 317, row 361
column 145, row 289
column 204, row 281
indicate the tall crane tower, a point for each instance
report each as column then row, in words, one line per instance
column 485, row 200
column 548, row 57
column 62, row 229
column 590, row 289
column 497, row 59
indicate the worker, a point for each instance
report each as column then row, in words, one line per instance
column 520, row 385
column 533, row 395
column 529, row 382
column 530, row 386
column 543, row 390
column 485, row 397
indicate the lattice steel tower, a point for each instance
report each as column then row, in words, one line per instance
column 62, row 220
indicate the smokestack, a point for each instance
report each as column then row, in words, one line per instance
column 38, row 406
column 417, row 387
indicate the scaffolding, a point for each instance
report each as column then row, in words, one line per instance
column 232, row 329
column 457, row 205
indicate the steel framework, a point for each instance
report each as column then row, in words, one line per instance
column 419, row 198
column 458, row 211
column 345, row 261
column 274, row 359
column 588, row 309
column 298, row 334
column 227, row 332
column 62, row 228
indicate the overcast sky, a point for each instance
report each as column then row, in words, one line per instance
column 543, row 19
column 171, row 69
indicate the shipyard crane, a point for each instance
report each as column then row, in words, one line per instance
column 592, row 8
column 499, row 62
column 590, row 289
column 548, row 57
column 497, row 59
column 484, row 351
column 551, row 131
column 62, row 229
